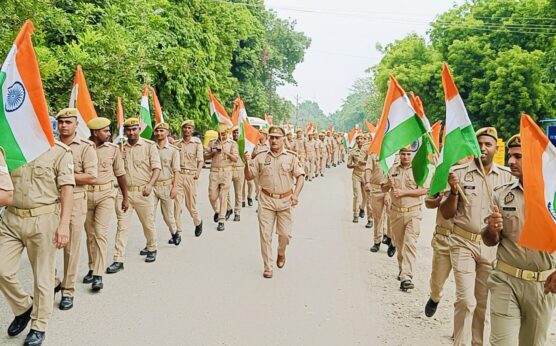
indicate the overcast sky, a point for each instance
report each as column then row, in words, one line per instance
column 344, row 34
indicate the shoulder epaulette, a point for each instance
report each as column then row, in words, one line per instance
column 504, row 168
column 291, row 152
column 110, row 144
column 173, row 146
column 62, row 145
column 462, row 166
column 149, row 141
column 499, row 187
column 87, row 141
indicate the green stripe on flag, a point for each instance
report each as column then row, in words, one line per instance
column 400, row 136
column 14, row 155
column 147, row 132
column 241, row 141
column 420, row 163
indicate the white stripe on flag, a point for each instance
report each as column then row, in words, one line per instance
column 456, row 114
column 399, row 112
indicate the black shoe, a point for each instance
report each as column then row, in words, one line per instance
column 386, row 240
column 58, row 288
column 399, row 275
column 170, row 241
column 20, row 323
column 143, row 252
column 369, row 224
column 87, row 279
column 355, row 219
column 151, row 256
column 243, row 204
column 391, row 250
column 361, row 213
column 430, row 308
column 115, row 267
column 375, row 247
column 215, row 217
column 306, row 178
column 322, row 175
column 229, row 213
column 66, row 303
column 237, row 218
column 34, row 338
column 176, row 238
column 407, row 285
column 97, row 283
column 199, row 229
column 220, row 226
column 250, row 202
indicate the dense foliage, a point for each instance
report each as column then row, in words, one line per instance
column 181, row 47
column 502, row 54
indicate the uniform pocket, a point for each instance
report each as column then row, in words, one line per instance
column 284, row 168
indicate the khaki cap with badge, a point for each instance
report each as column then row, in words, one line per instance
column 188, row 122
column 487, row 131
column 98, row 123
column 514, row 141
column 164, row 126
column 67, row 113
column 276, row 131
column 131, row 122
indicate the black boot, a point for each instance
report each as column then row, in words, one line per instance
column 375, row 247
column 66, row 303
column 391, row 250
column 407, row 285
column 430, row 308
column 151, row 256
column 87, row 279
column 176, row 237
column 97, row 283
column 20, row 323
column 361, row 213
column 34, row 338
column 115, row 267
column 215, row 217
column 143, row 252
column 229, row 213
column 199, row 229
column 236, row 217
column 220, row 226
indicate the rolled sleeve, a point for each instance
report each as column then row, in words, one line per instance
column 175, row 161
column 90, row 162
column 119, row 168
column 65, row 171
column 154, row 157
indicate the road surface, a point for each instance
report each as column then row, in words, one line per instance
column 210, row 290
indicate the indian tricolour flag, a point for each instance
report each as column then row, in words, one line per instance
column 539, row 186
column 398, row 126
column 460, row 138
column 81, row 99
column 25, row 128
column 248, row 135
column 120, row 117
column 145, row 115
column 218, row 114
column 158, row 117
column 425, row 146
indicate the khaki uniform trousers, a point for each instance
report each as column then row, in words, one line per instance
column 238, row 179
column 144, row 206
column 472, row 265
column 100, row 210
column 359, row 195
column 187, row 192
column 441, row 265
column 380, row 215
column 335, row 156
column 248, row 188
column 406, row 227
column 267, row 220
column 520, row 312
column 36, row 234
column 310, row 166
column 162, row 194
column 219, row 186
column 73, row 248
column 322, row 164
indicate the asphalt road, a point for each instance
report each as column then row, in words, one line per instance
column 210, row 290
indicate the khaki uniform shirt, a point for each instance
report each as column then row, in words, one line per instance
column 470, row 217
column 239, row 163
column 310, row 147
column 191, row 153
column 509, row 199
column 220, row 160
column 38, row 183
column 110, row 163
column 377, row 174
column 84, row 159
column 5, row 181
column 288, row 144
column 140, row 160
column 403, row 180
column 353, row 159
column 260, row 148
column 275, row 173
column 299, row 145
column 169, row 160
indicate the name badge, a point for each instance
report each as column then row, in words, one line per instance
column 468, row 187
column 508, row 208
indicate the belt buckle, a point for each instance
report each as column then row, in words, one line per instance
column 25, row 213
column 529, row 275
column 275, row 195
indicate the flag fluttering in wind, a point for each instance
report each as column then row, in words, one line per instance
column 460, row 138
column 420, row 164
column 436, row 128
column 398, row 126
column 145, row 115
column 268, row 119
column 539, row 186
column 218, row 114
column 120, row 118
column 159, row 118
column 81, row 99
column 25, row 128
column 350, row 138
column 370, row 126
column 248, row 135
column 309, row 128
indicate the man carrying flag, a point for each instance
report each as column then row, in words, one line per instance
column 42, row 174
column 145, row 122
column 520, row 304
column 81, row 100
